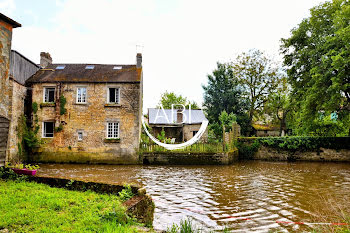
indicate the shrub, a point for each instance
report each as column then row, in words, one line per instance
column 247, row 150
column 7, row 173
column 303, row 143
column 126, row 193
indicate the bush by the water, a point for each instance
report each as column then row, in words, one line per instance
column 247, row 150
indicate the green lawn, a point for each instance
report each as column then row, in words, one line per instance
column 32, row 207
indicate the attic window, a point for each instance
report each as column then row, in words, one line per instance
column 60, row 67
column 117, row 68
column 89, row 67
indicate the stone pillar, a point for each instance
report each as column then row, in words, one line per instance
column 236, row 130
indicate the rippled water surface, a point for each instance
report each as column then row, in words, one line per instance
column 247, row 196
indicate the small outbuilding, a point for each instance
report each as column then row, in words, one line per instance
column 266, row 130
column 178, row 124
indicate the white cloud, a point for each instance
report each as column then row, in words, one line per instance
column 7, row 7
column 182, row 40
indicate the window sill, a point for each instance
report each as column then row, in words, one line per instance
column 112, row 140
column 112, row 105
column 50, row 104
column 80, row 103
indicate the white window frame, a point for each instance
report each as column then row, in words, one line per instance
column 43, row 129
column 77, row 95
column 118, row 132
column 108, row 95
column 82, row 135
column 44, row 94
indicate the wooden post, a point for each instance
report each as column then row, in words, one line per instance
column 223, row 137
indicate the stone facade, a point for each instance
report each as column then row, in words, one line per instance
column 18, row 94
column 190, row 130
column 90, row 119
column 9, row 90
column 5, row 50
column 267, row 133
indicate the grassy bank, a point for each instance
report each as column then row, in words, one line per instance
column 31, row 207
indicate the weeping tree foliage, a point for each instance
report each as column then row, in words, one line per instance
column 259, row 75
column 317, row 55
column 224, row 93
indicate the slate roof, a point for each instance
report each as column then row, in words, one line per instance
column 197, row 116
column 21, row 68
column 76, row 73
column 9, row 21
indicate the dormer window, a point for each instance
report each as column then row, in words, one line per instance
column 60, row 67
column 89, row 67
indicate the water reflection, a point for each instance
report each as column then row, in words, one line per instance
column 247, row 196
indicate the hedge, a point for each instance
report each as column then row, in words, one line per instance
column 302, row 143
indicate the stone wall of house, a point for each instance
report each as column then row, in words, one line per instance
column 91, row 119
column 188, row 132
column 5, row 87
column 267, row 133
column 18, row 95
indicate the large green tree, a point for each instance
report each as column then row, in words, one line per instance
column 317, row 55
column 224, row 93
column 259, row 76
column 169, row 98
column 278, row 105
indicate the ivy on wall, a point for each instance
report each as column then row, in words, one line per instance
column 28, row 135
column 63, row 102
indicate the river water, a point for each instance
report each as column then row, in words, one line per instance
column 252, row 196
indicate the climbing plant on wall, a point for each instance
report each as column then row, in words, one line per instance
column 28, row 136
column 63, row 102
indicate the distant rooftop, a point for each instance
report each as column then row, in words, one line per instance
column 197, row 116
column 21, row 68
column 87, row 73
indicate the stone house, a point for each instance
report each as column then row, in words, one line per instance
column 14, row 70
column 177, row 125
column 87, row 113
column 261, row 130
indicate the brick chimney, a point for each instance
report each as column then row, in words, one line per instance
column 179, row 116
column 45, row 59
column 139, row 60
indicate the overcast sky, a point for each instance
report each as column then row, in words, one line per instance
column 182, row 39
